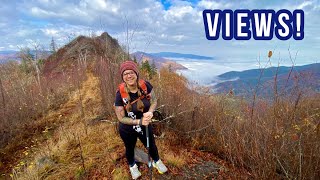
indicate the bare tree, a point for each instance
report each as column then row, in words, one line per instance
column 130, row 32
column 33, row 57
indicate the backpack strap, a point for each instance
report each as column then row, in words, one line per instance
column 125, row 95
column 143, row 87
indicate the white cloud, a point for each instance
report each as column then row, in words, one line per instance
column 100, row 5
column 165, row 44
column 24, row 32
column 316, row 7
column 177, row 14
column 304, row 4
column 179, row 37
column 180, row 27
column 214, row 4
column 47, row 1
column 50, row 32
column 42, row 13
column 163, row 35
column 3, row 24
column 239, row 43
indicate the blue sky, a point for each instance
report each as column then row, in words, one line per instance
column 154, row 26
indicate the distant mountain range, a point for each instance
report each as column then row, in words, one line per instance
column 6, row 56
column 242, row 83
column 179, row 55
column 8, row 52
column 157, row 60
column 11, row 55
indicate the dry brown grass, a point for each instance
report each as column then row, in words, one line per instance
column 277, row 140
column 175, row 159
column 76, row 148
column 24, row 103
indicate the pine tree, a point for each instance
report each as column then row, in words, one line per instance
column 146, row 66
column 150, row 70
column 53, row 46
column 135, row 59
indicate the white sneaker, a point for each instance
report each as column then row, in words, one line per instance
column 160, row 166
column 135, row 173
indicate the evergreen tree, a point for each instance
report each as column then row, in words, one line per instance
column 53, row 46
column 135, row 59
column 146, row 66
column 150, row 70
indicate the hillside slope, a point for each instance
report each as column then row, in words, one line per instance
column 78, row 143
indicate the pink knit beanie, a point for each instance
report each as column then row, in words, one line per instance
column 129, row 65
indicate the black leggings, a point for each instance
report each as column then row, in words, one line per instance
column 129, row 137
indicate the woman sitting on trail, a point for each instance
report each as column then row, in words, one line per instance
column 134, row 106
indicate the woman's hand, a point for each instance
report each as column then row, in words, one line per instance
column 145, row 121
column 148, row 115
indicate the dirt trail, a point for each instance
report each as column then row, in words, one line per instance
column 88, row 98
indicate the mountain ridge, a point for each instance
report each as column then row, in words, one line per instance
column 159, row 62
column 181, row 55
column 286, row 78
column 82, row 48
column 268, row 71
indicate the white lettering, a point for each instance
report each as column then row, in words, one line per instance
column 212, row 29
